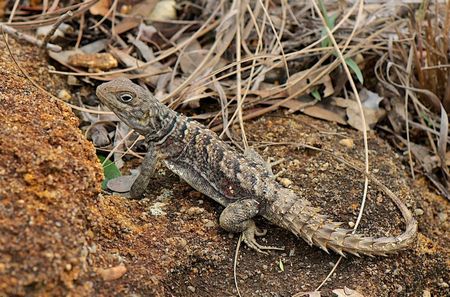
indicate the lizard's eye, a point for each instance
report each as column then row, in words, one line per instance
column 125, row 97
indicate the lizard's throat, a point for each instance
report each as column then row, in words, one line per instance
column 160, row 125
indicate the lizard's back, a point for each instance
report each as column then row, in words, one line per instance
column 219, row 171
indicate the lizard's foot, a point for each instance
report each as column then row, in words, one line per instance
column 271, row 163
column 255, row 157
column 248, row 236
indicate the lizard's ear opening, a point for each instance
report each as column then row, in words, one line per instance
column 126, row 97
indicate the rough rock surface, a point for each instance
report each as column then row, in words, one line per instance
column 49, row 174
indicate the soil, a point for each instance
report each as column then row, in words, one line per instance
column 60, row 237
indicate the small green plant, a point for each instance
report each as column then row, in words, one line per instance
column 110, row 170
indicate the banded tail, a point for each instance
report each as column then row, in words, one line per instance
column 298, row 216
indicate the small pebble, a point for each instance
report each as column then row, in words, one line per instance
column 443, row 285
column 194, row 210
column 351, row 224
column 347, row 142
column 265, row 267
column 418, row 211
column 191, row 288
column 442, row 216
column 64, row 95
column 209, row 224
column 73, row 81
column 285, row 182
column 113, row 273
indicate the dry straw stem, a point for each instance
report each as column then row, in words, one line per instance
column 28, row 38
column 50, row 18
column 68, row 15
column 352, row 51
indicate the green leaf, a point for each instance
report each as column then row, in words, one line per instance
column 315, row 93
column 110, row 170
column 330, row 21
column 281, row 265
column 355, row 68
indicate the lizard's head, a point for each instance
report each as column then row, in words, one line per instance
column 134, row 105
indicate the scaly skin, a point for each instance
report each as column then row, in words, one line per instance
column 239, row 182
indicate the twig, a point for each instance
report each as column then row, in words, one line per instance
column 55, row 26
column 13, row 11
column 28, row 38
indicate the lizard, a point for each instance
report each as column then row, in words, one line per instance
column 240, row 182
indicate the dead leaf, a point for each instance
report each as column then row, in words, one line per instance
column 372, row 112
column 326, row 112
column 94, row 47
column 151, row 71
column 347, row 292
column 372, row 116
column 2, row 7
column 113, row 273
column 308, row 294
column 164, row 10
column 293, row 105
column 100, row 8
column 192, row 95
column 99, row 135
column 136, row 15
column 63, row 58
column 192, row 56
column 295, row 85
column 121, row 184
column 443, row 138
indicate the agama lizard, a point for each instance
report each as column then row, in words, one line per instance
column 240, row 182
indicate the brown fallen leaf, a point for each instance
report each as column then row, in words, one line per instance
column 295, row 85
column 138, row 12
column 3, row 4
column 347, row 292
column 308, row 294
column 192, row 56
column 164, row 10
column 151, row 72
column 372, row 112
column 100, row 8
column 112, row 273
column 324, row 112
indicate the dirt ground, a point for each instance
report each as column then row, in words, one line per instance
column 58, row 236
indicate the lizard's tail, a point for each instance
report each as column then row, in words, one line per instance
column 305, row 221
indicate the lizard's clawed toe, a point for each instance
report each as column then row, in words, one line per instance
column 248, row 236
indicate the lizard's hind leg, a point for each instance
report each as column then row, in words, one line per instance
column 237, row 217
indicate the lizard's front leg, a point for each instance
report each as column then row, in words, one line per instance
column 147, row 170
column 237, row 217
